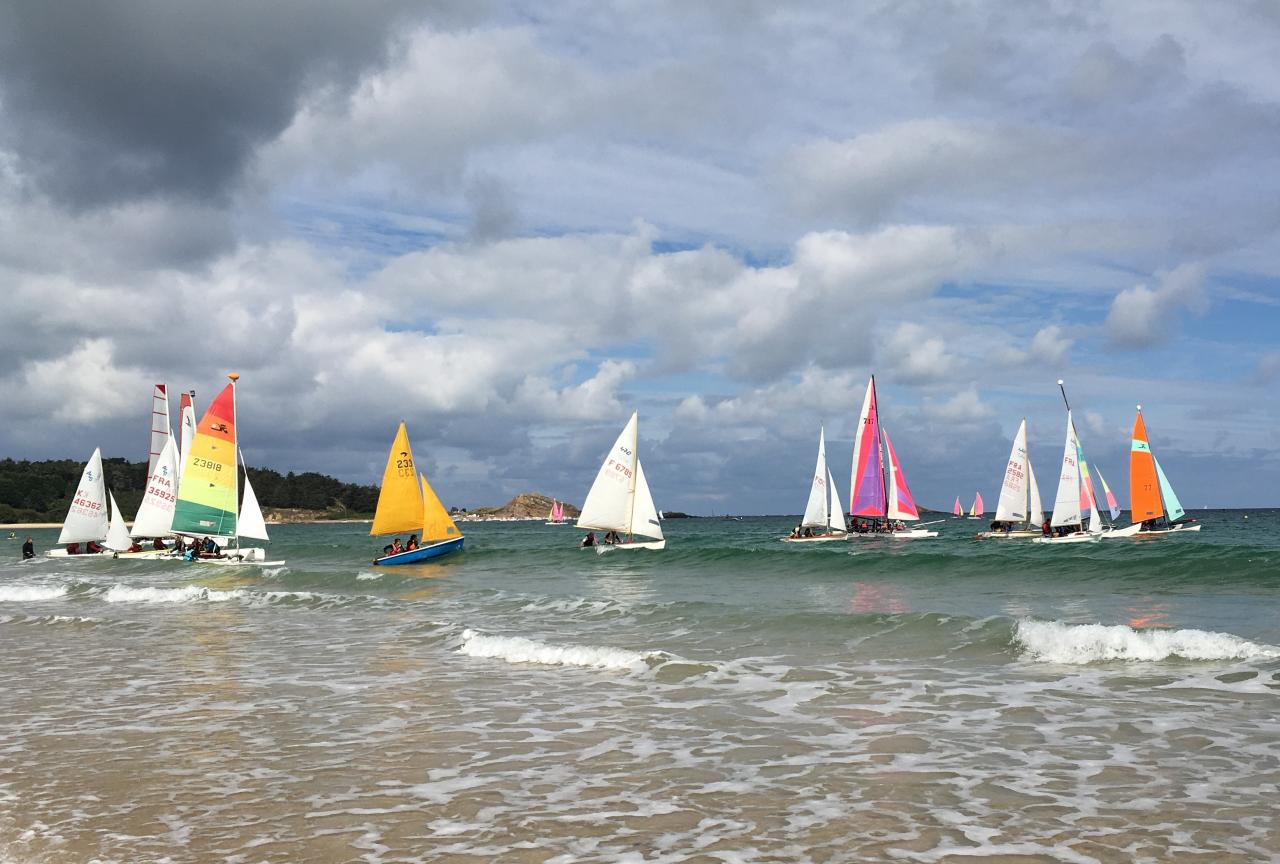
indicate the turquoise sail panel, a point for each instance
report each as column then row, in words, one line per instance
column 1172, row 506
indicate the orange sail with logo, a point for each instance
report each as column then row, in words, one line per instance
column 1144, row 487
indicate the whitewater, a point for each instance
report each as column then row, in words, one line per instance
column 732, row 698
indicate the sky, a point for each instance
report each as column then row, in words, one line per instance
column 512, row 224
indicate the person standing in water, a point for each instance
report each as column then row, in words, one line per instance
column 28, row 549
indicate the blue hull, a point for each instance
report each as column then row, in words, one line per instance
column 422, row 553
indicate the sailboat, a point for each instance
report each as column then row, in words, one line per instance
column 1075, row 493
column 823, row 508
column 886, row 503
column 408, row 505
column 209, row 487
column 556, row 516
column 957, row 509
column 86, row 520
column 977, row 507
column 1018, row 511
column 619, row 501
column 1153, row 506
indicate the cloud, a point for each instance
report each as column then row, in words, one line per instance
column 913, row 356
column 1141, row 316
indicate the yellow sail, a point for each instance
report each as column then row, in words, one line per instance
column 400, row 501
column 436, row 523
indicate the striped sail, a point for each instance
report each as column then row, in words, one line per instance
column 1112, row 506
column 901, row 504
column 207, row 492
column 867, row 495
column 159, row 425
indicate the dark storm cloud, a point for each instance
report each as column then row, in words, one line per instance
column 104, row 102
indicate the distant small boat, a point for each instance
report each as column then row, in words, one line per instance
column 408, row 505
column 958, row 509
column 619, row 500
column 823, row 509
column 977, row 507
column 556, row 516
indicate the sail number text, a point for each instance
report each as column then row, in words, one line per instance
column 618, row 466
column 404, row 467
column 199, row 462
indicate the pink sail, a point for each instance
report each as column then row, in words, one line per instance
column 957, row 510
column 901, row 504
column 867, row 498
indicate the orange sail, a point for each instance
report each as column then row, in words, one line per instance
column 1144, row 488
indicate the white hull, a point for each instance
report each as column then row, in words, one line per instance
column 557, row 523
column 820, row 538
column 912, row 534
column 601, row 548
column 1020, row 534
column 1160, row 532
column 1128, row 531
column 147, row 553
column 62, row 553
column 1078, row 537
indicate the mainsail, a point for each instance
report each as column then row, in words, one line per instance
column 815, row 511
column 1066, row 505
column 867, row 495
column 87, row 517
column 976, row 508
column 1150, row 493
column 206, row 503
column 399, row 509
column 159, row 425
column 957, row 509
column 155, row 514
column 1019, row 495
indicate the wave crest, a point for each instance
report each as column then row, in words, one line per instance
column 1078, row 644
column 517, row 649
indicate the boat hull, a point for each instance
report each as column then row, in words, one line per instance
column 1162, row 532
column 601, row 548
column 1080, row 537
column 913, row 534
column 1010, row 535
column 820, row 538
column 63, row 553
column 1127, row 531
column 422, row 553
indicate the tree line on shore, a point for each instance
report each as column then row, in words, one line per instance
column 42, row 491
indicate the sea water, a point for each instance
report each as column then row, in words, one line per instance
column 731, row 698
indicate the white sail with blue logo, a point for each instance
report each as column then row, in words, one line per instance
column 87, row 517
column 155, row 515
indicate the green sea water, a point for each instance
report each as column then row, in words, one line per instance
column 731, row 698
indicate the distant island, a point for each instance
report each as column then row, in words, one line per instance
column 526, row 505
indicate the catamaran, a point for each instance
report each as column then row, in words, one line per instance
column 822, row 512
column 1018, row 512
column 619, row 501
column 1075, row 493
column 407, row 505
column 1153, row 506
column 209, row 487
column 86, row 520
column 977, row 507
column 556, row 516
column 957, row 509
column 886, row 503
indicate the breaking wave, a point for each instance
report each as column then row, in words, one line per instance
column 1078, row 644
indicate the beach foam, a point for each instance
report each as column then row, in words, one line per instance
column 30, row 593
column 185, row 594
column 1077, row 644
column 517, row 649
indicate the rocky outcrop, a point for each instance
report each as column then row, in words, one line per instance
column 526, row 505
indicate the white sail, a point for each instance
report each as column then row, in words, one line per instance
column 1066, row 506
column 835, row 516
column 250, row 522
column 609, row 503
column 1036, row 514
column 1012, row 506
column 188, row 421
column 117, row 532
column 87, row 517
column 815, row 512
column 159, row 425
column 644, row 519
column 155, row 514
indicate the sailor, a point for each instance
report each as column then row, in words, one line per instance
column 28, row 549
column 589, row 540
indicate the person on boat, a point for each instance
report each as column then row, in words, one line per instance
column 808, row 532
column 589, row 540
column 396, row 548
column 412, row 544
column 612, row 538
column 92, row 548
column 209, row 549
column 28, row 549
column 158, row 544
column 73, row 548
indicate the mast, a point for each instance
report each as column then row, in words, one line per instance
column 235, row 450
column 884, row 488
column 1087, row 483
column 631, row 484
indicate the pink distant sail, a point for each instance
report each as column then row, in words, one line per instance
column 957, row 510
column 867, row 498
